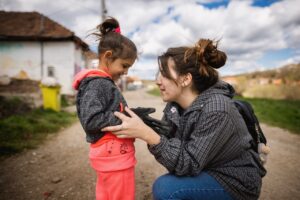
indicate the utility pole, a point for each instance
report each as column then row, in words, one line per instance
column 103, row 10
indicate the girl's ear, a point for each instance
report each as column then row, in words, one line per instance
column 106, row 58
column 107, row 54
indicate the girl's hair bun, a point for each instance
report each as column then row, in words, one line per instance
column 108, row 25
column 110, row 39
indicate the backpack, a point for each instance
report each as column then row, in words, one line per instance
column 252, row 123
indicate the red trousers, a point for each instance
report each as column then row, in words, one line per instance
column 114, row 163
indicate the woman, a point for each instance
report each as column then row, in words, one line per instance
column 207, row 151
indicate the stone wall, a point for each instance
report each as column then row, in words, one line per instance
column 27, row 90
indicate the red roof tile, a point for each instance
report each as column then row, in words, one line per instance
column 33, row 26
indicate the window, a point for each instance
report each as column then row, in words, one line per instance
column 50, row 71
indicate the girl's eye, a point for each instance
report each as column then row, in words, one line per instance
column 125, row 66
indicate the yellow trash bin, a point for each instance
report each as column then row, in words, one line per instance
column 51, row 97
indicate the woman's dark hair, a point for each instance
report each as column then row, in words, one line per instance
column 110, row 38
column 200, row 60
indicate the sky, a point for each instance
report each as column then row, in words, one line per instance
column 255, row 34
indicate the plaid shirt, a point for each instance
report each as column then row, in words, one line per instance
column 211, row 136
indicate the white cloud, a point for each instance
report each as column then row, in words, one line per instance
column 246, row 32
column 167, row 34
column 287, row 16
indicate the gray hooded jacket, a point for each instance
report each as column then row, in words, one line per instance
column 97, row 100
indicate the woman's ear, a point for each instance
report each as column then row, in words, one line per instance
column 186, row 80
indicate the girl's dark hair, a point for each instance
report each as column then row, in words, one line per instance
column 200, row 60
column 110, row 39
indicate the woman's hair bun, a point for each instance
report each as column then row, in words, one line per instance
column 208, row 52
column 108, row 25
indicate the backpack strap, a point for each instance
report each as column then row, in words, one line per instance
column 252, row 123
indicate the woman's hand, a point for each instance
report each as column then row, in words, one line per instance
column 133, row 127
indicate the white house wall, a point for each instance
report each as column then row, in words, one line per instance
column 26, row 56
column 60, row 56
column 79, row 60
column 20, row 56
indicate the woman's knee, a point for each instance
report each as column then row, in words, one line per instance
column 199, row 187
column 161, row 187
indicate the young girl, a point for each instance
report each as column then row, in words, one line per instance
column 98, row 98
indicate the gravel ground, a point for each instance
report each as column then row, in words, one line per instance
column 59, row 168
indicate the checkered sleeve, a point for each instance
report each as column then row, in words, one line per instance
column 210, row 133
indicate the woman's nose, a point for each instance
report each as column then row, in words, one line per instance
column 158, row 79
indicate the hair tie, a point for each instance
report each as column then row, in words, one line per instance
column 117, row 30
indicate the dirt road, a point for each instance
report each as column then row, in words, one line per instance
column 59, row 168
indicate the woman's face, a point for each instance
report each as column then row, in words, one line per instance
column 170, row 91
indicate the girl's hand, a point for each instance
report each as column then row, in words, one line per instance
column 133, row 127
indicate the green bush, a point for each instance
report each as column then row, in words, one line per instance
column 11, row 106
column 280, row 113
column 27, row 131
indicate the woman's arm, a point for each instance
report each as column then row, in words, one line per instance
column 210, row 134
column 133, row 127
column 208, row 137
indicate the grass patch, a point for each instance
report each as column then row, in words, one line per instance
column 281, row 113
column 155, row 92
column 26, row 131
column 12, row 106
column 64, row 101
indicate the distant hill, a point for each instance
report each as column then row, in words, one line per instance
column 280, row 83
column 288, row 72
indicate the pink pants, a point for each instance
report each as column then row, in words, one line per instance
column 114, row 163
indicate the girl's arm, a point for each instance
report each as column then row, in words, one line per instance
column 96, row 103
column 133, row 127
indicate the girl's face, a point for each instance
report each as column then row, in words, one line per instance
column 119, row 67
column 170, row 91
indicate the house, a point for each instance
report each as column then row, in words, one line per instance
column 277, row 81
column 34, row 47
column 231, row 80
column 92, row 60
column 264, row 81
column 133, row 83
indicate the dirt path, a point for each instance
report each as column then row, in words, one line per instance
column 59, row 168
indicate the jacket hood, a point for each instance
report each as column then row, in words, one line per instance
column 172, row 109
column 220, row 87
column 88, row 73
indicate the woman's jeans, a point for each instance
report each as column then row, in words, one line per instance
column 201, row 187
